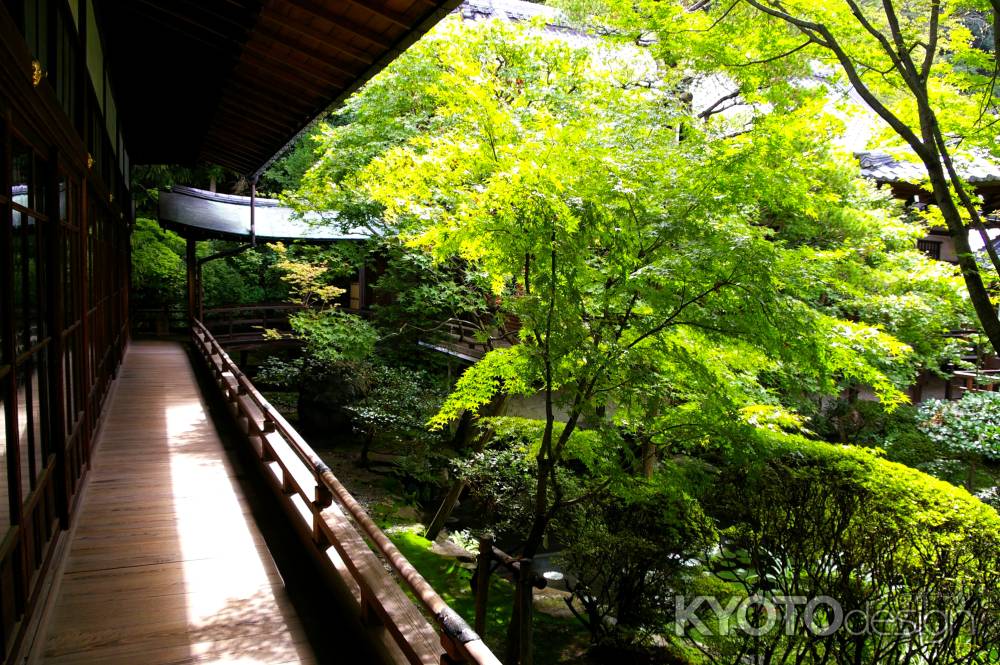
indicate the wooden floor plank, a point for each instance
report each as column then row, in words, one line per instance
column 166, row 566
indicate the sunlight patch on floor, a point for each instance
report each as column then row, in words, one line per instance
column 232, row 611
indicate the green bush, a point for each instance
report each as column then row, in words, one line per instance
column 633, row 549
column 965, row 430
column 393, row 413
column 502, row 476
column 812, row 520
column 158, row 272
column 930, row 438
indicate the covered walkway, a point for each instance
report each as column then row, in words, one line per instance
column 165, row 563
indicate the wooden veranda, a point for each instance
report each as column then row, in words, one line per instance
column 165, row 564
column 124, row 535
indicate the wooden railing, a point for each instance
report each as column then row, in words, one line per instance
column 162, row 321
column 464, row 339
column 982, row 380
column 244, row 325
column 335, row 528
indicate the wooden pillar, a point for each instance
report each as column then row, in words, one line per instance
column 54, row 290
column 84, row 286
column 200, row 289
column 192, row 281
column 253, row 211
column 483, row 563
column 363, row 303
column 525, row 599
column 519, row 647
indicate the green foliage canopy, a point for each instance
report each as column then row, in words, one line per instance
column 693, row 284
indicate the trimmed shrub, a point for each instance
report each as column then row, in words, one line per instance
column 910, row 562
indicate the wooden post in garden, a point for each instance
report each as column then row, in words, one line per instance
column 483, row 563
column 519, row 647
column 523, row 599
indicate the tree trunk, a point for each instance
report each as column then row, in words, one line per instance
column 366, row 447
column 463, row 434
column 444, row 510
column 970, row 479
column 648, row 452
column 540, row 515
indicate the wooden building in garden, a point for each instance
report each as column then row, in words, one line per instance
column 109, row 453
column 905, row 179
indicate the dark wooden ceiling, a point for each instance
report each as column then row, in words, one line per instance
column 231, row 82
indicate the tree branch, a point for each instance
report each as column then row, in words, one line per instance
column 909, row 70
column 932, row 39
column 764, row 61
column 711, row 110
column 966, row 200
column 811, row 29
column 874, row 32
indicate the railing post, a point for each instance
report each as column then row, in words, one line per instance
column 287, row 486
column 324, row 497
column 318, row 534
column 483, row 564
column 266, row 454
column 369, row 617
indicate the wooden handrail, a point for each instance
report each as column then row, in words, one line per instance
column 460, row 643
column 281, row 307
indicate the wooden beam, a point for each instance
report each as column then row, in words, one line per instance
column 243, row 27
column 389, row 15
column 316, row 58
column 218, row 37
column 282, row 75
column 307, row 30
column 265, row 97
column 239, row 125
column 256, row 50
column 214, row 141
column 253, row 114
column 321, row 11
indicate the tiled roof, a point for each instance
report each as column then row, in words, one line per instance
column 515, row 10
column 884, row 167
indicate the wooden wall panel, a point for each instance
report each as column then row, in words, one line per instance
column 76, row 280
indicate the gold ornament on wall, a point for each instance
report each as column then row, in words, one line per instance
column 37, row 73
column 90, row 161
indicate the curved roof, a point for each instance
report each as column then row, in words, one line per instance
column 201, row 215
